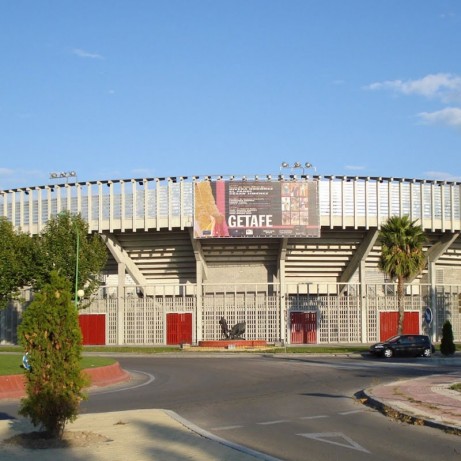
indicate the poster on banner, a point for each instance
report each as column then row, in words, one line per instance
column 250, row 209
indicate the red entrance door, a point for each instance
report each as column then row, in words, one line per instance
column 93, row 328
column 303, row 327
column 179, row 329
column 389, row 322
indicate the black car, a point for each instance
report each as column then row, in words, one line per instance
column 404, row 345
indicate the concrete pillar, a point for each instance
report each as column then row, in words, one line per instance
column 121, row 304
column 363, row 300
column 433, row 297
column 199, row 301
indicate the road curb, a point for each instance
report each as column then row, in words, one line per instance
column 366, row 398
column 13, row 386
column 208, row 435
column 104, row 376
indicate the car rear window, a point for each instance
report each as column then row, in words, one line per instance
column 422, row 339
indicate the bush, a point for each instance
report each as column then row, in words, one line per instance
column 51, row 336
column 447, row 345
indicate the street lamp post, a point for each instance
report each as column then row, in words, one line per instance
column 77, row 251
column 77, row 293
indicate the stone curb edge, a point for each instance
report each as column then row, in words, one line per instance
column 215, row 438
column 365, row 397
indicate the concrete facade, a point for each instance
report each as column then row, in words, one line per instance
column 157, row 267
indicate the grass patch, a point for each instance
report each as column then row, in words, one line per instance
column 456, row 387
column 311, row 349
column 10, row 364
column 17, row 349
column 132, row 349
column 322, row 349
column 11, row 359
column 306, row 349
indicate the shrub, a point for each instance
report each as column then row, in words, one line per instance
column 447, row 345
column 51, row 336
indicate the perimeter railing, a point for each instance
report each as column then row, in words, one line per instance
column 341, row 316
column 166, row 203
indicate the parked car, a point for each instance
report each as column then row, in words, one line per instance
column 404, row 345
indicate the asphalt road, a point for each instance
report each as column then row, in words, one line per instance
column 293, row 408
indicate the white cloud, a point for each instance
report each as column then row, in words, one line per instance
column 354, row 167
column 6, row 171
column 143, row 173
column 449, row 116
column 10, row 178
column 449, row 15
column 85, row 54
column 441, row 176
column 445, row 87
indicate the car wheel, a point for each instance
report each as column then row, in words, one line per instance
column 427, row 352
column 388, row 353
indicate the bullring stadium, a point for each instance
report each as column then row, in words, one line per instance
column 293, row 256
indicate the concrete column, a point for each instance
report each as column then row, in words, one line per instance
column 363, row 300
column 283, row 289
column 433, row 305
column 199, row 301
column 121, row 304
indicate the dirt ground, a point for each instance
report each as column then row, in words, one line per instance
column 71, row 439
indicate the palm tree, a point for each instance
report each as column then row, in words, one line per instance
column 402, row 255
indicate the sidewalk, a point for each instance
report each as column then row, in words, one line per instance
column 141, row 435
column 423, row 401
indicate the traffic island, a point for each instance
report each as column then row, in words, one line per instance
column 13, row 386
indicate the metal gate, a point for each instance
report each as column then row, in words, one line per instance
column 179, row 329
column 303, row 327
column 388, row 324
column 93, row 328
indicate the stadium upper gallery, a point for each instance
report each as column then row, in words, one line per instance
column 293, row 256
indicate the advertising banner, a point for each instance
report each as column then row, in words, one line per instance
column 256, row 209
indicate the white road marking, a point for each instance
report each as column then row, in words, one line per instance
column 314, row 417
column 355, row 364
column 225, row 428
column 150, row 379
column 279, row 421
column 352, row 412
column 227, row 443
column 327, row 436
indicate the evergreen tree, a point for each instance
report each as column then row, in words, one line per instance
column 447, row 345
column 51, row 336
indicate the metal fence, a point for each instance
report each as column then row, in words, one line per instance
column 343, row 314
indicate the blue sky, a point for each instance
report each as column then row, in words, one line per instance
column 146, row 88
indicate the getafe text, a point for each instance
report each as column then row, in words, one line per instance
column 264, row 220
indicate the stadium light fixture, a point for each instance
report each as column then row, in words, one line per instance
column 63, row 174
column 297, row 166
